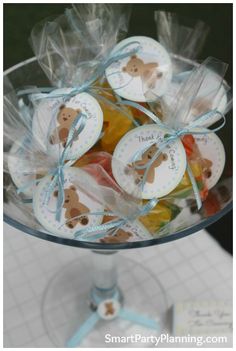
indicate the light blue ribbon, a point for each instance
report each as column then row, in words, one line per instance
column 47, row 92
column 57, row 173
column 116, row 223
column 173, row 135
column 92, row 320
column 90, row 323
column 84, row 330
column 113, row 57
column 27, row 201
column 58, row 179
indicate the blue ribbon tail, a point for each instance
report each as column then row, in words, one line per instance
column 27, row 201
column 84, row 330
column 139, row 319
column 100, row 228
column 195, row 187
column 58, row 214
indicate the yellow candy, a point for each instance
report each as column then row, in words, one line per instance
column 184, row 188
column 197, row 172
column 185, row 181
column 116, row 124
column 196, row 168
column 157, row 217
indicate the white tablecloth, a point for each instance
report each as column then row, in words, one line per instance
column 195, row 267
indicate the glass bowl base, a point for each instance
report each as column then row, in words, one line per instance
column 67, row 306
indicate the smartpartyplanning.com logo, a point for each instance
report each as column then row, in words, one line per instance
column 165, row 339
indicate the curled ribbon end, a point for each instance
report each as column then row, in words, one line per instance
column 199, row 205
column 58, row 216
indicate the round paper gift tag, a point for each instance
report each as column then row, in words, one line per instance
column 213, row 154
column 20, row 166
column 165, row 172
column 76, row 208
column 148, row 69
column 108, row 309
column 53, row 119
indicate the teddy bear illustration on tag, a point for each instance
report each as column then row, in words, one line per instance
column 148, row 72
column 121, row 236
column 74, row 208
column 146, row 157
column 206, row 167
column 109, row 308
column 65, row 118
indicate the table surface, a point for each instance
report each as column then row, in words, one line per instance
column 194, row 268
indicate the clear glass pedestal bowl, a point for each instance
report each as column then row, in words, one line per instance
column 75, row 296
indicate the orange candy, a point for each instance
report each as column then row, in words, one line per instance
column 116, row 124
column 197, row 163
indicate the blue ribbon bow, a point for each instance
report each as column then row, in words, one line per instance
column 57, row 173
column 51, row 92
column 58, row 179
column 114, row 224
column 123, row 313
column 194, row 127
column 112, row 57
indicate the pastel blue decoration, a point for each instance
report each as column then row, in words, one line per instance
column 116, row 223
column 194, row 127
column 92, row 320
column 39, row 93
column 58, row 172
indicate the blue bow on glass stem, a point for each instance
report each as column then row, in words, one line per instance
column 132, row 316
column 194, row 127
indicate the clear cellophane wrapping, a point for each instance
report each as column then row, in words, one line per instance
column 70, row 49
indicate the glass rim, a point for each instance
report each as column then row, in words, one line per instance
column 119, row 246
column 113, row 246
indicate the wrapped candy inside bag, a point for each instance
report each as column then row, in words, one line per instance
column 180, row 135
column 113, row 151
column 65, row 199
column 74, row 50
column 72, row 46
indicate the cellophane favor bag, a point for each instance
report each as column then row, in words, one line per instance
column 75, row 149
column 51, row 128
column 183, row 37
column 194, row 111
